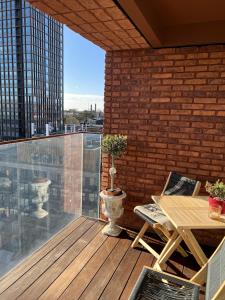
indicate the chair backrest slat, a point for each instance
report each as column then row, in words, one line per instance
column 180, row 185
column 215, row 272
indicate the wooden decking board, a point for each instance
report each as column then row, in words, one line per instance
column 82, row 263
column 173, row 267
column 104, row 274
column 144, row 260
column 28, row 263
column 49, row 276
column 189, row 271
column 64, row 280
column 29, row 277
column 119, row 279
column 78, row 285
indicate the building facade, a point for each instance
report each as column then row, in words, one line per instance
column 31, row 71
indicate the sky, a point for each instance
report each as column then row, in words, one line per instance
column 84, row 65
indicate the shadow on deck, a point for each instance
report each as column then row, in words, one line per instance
column 82, row 263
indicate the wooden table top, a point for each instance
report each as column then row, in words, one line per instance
column 188, row 212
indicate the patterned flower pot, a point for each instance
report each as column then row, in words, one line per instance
column 112, row 208
column 214, row 202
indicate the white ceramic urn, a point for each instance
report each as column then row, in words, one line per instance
column 112, row 208
column 39, row 187
column 5, row 182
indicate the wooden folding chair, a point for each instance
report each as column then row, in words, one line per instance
column 157, row 285
column 154, row 217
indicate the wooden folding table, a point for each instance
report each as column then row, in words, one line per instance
column 186, row 213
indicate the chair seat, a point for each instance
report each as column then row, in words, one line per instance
column 153, row 214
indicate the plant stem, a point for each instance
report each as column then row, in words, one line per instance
column 112, row 175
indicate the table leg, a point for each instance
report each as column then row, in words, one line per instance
column 193, row 245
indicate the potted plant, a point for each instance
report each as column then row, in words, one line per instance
column 115, row 146
column 112, row 207
column 216, row 194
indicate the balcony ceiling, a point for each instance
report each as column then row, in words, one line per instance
column 130, row 24
column 100, row 21
column 167, row 23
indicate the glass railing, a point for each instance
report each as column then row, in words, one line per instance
column 44, row 185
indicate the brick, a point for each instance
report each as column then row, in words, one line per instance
column 184, row 75
column 195, row 81
column 209, row 61
column 197, row 55
column 162, row 75
column 218, row 68
column 189, row 153
column 182, row 100
column 217, row 55
column 205, row 100
column 181, row 112
column 196, row 69
column 185, row 63
column 173, row 69
column 221, row 113
column 183, row 87
column 163, row 63
column 192, row 106
column 207, row 75
column 174, row 56
column 203, row 113
column 160, row 100
column 172, row 81
column 206, row 87
column 213, row 144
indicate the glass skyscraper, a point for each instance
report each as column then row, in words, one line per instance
column 31, row 71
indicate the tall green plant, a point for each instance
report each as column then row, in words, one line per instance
column 115, row 146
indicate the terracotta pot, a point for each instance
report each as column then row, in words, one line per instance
column 115, row 192
column 215, row 202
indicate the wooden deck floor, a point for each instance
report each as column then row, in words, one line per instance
column 82, row 263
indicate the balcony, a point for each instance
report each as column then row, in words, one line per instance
column 165, row 90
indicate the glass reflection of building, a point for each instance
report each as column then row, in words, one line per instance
column 31, row 70
column 71, row 165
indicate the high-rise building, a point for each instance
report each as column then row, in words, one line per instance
column 31, row 71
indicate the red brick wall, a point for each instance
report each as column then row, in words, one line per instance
column 171, row 104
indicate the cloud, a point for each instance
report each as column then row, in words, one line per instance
column 82, row 101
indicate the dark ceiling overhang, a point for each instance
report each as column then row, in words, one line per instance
column 165, row 23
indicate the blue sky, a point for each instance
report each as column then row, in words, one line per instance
column 83, row 72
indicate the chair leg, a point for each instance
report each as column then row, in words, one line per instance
column 140, row 234
column 165, row 249
column 173, row 246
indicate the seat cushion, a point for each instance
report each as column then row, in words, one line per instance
column 152, row 214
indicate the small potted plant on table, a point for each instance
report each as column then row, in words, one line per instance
column 115, row 146
column 216, row 196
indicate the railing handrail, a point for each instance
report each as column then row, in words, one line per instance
column 43, row 137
